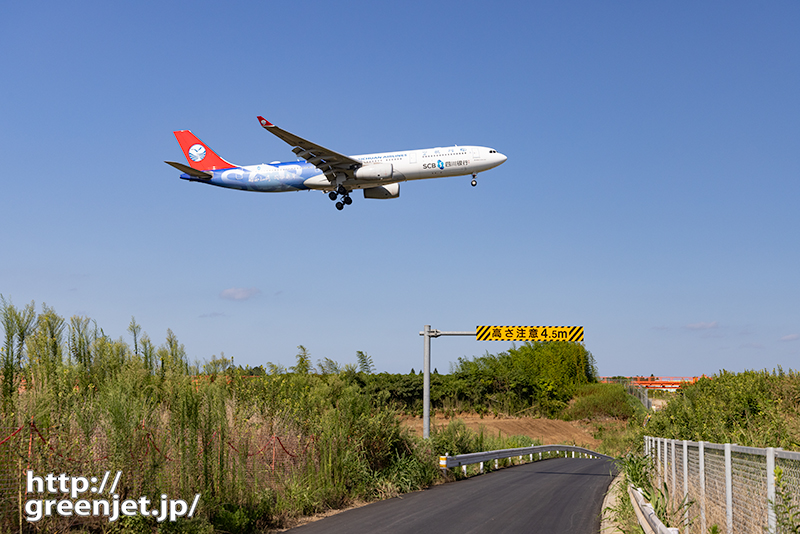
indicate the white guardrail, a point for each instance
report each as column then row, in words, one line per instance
column 541, row 451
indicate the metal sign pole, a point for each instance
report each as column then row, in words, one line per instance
column 426, row 384
column 426, row 369
column 489, row 333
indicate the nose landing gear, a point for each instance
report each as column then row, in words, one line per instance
column 474, row 181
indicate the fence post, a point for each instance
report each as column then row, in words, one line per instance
column 728, row 489
column 658, row 461
column 674, row 467
column 771, row 489
column 702, row 473
column 686, row 483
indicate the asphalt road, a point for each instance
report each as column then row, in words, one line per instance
column 552, row 496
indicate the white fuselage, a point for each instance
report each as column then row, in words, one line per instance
column 420, row 164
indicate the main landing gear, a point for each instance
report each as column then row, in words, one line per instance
column 346, row 200
column 474, row 181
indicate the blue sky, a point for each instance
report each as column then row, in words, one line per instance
column 650, row 193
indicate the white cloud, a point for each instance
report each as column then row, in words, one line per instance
column 791, row 337
column 239, row 293
column 702, row 326
column 212, row 315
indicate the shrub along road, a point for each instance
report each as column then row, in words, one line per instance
column 553, row 496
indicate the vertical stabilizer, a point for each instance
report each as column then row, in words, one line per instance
column 198, row 154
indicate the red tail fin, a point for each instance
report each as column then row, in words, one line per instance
column 198, row 154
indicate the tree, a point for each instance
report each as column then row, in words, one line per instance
column 44, row 343
column 217, row 365
column 8, row 318
column 303, row 366
column 25, row 325
column 275, row 369
column 175, row 355
column 79, row 343
column 328, row 367
column 148, row 354
column 135, row 330
column 365, row 364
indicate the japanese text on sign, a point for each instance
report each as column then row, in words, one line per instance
column 530, row 333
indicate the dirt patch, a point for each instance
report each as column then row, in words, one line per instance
column 548, row 431
column 658, row 404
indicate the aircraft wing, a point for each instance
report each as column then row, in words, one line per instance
column 329, row 162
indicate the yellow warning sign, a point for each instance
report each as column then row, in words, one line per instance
column 530, row 333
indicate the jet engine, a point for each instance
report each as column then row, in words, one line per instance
column 384, row 191
column 379, row 171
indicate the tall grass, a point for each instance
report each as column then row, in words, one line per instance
column 321, row 445
column 260, row 450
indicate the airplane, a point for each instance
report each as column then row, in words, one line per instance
column 318, row 168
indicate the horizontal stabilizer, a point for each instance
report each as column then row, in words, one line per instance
column 190, row 171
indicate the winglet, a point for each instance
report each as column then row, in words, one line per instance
column 264, row 122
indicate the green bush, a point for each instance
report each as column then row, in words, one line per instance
column 752, row 408
column 534, row 379
column 601, row 400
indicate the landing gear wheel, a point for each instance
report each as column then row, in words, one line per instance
column 332, row 195
column 339, row 206
column 474, row 183
column 341, row 190
column 348, row 200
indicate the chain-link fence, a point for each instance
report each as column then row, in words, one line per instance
column 730, row 486
column 632, row 389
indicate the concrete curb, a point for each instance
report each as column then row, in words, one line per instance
column 610, row 501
